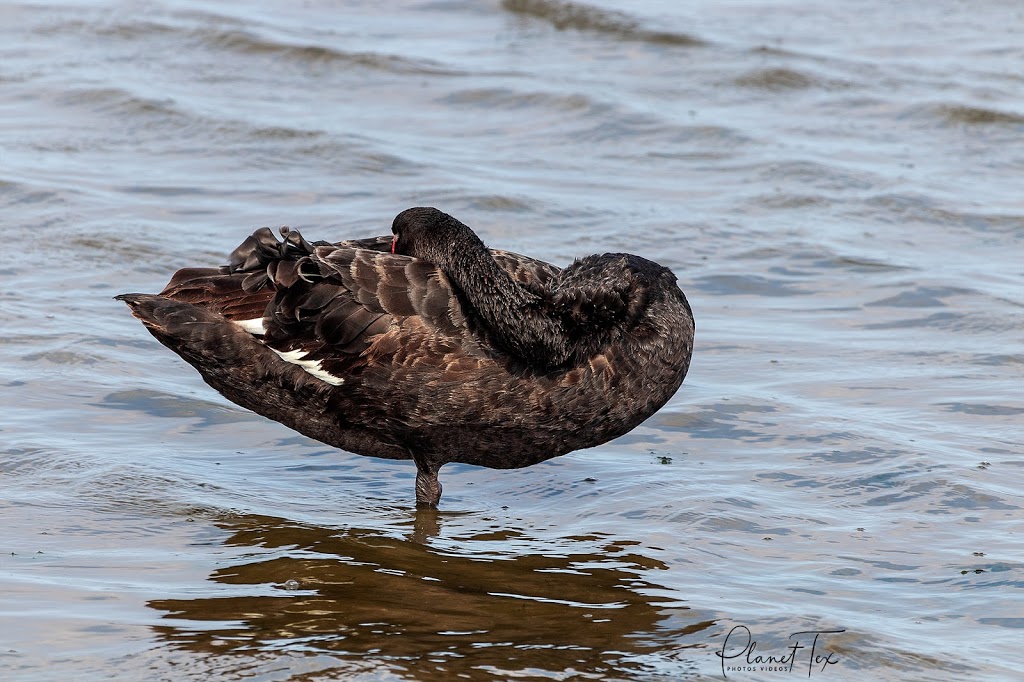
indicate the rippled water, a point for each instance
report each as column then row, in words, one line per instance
column 837, row 185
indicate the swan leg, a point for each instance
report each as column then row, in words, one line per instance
column 428, row 488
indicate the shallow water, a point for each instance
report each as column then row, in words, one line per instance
column 836, row 185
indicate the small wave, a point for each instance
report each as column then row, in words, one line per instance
column 22, row 459
column 998, row 359
column 746, row 285
column 165, row 116
column 966, row 115
column 731, row 421
column 783, row 201
column 921, row 297
column 904, row 208
column 776, row 79
column 957, row 497
column 221, row 33
column 625, row 127
column 497, row 202
column 283, row 133
column 60, row 357
column 983, row 409
column 973, row 323
column 862, row 264
column 505, row 98
column 157, row 404
column 245, row 42
column 356, row 154
column 820, row 176
column 571, row 15
column 864, row 455
column 99, row 28
column 117, row 100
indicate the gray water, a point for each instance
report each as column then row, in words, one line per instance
column 838, row 187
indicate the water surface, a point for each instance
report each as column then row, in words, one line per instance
column 837, row 188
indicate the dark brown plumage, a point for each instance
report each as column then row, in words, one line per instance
column 429, row 346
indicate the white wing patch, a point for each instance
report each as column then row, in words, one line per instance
column 311, row 366
column 253, row 326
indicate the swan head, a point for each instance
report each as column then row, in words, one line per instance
column 427, row 233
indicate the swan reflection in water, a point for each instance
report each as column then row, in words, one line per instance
column 354, row 599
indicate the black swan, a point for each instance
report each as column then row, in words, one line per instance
column 428, row 345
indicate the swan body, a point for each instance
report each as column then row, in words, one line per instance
column 429, row 346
